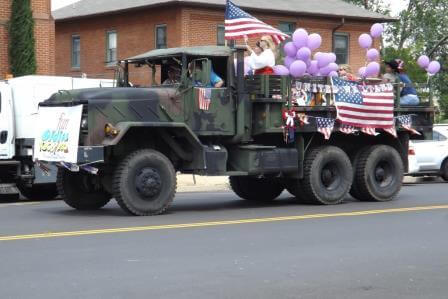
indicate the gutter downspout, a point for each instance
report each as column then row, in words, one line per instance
column 334, row 31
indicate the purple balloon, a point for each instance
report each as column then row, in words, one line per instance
column 314, row 41
column 365, row 41
column 433, row 67
column 297, row 68
column 373, row 54
column 313, row 69
column 373, row 69
column 325, row 71
column 333, row 57
column 324, row 59
column 308, row 62
column 333, row 74
column 362, row 72
column 333, row 66
column 376, row 30
column 289, row 61
column 281, row 70
column 304, row 54
column 317, row 55
column 300, row 38
column 423, row 61
column 290, row 49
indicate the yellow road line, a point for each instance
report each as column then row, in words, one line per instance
column 214, row 223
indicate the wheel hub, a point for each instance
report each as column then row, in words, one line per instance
column 330, row 176
column 383, row 173
column 148, row 182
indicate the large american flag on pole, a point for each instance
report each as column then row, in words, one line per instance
column 239, row 24
column 365, row 107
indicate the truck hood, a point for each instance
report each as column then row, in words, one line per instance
column 84, row 96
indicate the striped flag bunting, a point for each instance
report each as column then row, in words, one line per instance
column 406, row 122
column 239, row 24
column 347, row 129
column 325, row 126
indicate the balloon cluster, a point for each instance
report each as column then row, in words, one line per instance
column 432, row 67
column 365, row 40
column 300, row 61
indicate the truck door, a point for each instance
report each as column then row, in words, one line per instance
column 6, row 123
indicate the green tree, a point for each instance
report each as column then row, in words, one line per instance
column 22, row 55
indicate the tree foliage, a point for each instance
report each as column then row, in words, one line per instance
column 21, row 49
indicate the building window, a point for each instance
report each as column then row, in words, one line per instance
column 287, row 27
column 341, row 45
column 111, row 46
column 76, row 51
column 220, row 38
column 161, row 37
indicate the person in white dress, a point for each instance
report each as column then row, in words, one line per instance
column 262, row 63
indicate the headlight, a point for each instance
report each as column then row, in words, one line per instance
column 84, row 123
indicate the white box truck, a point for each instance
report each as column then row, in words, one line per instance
column 19, row 100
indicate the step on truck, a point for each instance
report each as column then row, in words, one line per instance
column 19, row 100
column 128, row 143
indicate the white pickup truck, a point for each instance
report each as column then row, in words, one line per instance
column 19, row 100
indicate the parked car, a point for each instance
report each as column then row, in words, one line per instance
column 430, row 157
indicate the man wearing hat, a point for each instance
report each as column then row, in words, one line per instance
column 408, row 95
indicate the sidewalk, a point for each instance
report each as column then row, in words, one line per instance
column 185, row 182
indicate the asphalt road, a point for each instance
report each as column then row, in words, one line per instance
column 213, row 245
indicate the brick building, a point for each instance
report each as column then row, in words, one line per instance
column 43, row 33
column 91, row 35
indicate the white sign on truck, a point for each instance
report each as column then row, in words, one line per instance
column 57, row 137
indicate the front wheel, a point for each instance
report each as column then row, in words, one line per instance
column 444, row 170
column 378, row 174
column 145, row 183
column 81, row 190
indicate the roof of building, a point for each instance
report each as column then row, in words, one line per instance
column 217, row 51
column 331, row 8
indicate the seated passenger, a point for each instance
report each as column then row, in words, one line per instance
column 389, row 76
column 215, row 80
column 345, row 72
column 172, row 77
column 408, row 95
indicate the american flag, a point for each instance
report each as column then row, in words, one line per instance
column 239, row 24
column 204, row 98
column 325, row 126
column 406, row 122
column 347, row 129
column 364, row 108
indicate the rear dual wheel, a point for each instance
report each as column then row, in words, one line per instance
column 378, row 174
column 327, row 176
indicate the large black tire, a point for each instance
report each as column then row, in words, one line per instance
column 256, row 189
column 328, row 175
column 145, row 183
column 39, row 192
column 354, row 192
column 81, row 190
column 378, row 174
column 294, row 186
column 444, row 170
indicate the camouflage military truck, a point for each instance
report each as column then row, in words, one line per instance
column 133, row 140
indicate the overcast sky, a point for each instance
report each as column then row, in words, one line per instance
column 396, row 5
